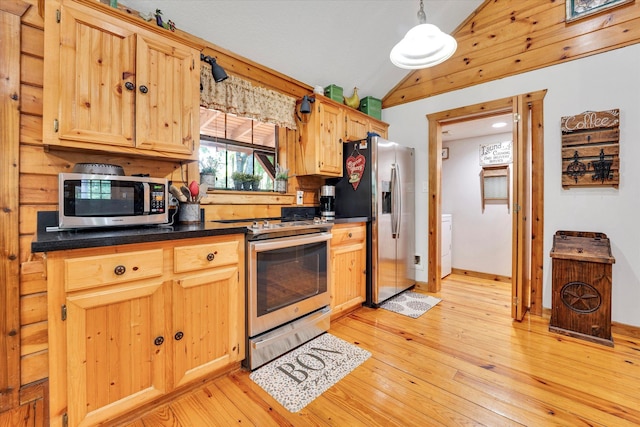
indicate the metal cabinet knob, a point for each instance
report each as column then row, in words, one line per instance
column 211, row 256
column 350, row 235
column 144, row 89
column 179, row 335
column 120, row 270
column 158, row 340
column 129, row 86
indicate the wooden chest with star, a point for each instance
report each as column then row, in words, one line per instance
column 581, row 288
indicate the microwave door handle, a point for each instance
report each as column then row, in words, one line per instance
column 147, row 197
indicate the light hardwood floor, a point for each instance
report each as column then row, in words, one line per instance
column 465, row 362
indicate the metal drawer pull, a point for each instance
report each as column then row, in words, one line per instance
column 120, row 270
column 350, row 235
column 211, row 256
column 158, row 340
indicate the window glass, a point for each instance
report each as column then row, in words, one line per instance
column 236, row 153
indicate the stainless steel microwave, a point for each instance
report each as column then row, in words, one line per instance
column 90, row 200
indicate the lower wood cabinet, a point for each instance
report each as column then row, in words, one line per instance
column 161, row 316
column 348, row 267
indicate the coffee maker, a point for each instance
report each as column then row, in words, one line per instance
column 327, row 202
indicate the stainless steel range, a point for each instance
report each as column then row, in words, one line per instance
column 287, row 286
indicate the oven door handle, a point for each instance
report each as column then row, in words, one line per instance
column 287, row 242
column 295, row 327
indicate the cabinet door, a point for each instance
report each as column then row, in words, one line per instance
column 356, row 126
column 329, row 148
column 348, row 268
column 96, row 61
column 379, row 128
column 167, row 96
column 208, row 314
column 115, row 350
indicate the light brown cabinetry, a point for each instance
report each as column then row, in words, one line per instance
column 129, row 324
column 113, row 86
column 348, row 267
column 321, row 139
column 378, row 127
column 323, row 132
column 356, row 125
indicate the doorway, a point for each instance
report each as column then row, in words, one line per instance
column 527, row 110
column 481, row 215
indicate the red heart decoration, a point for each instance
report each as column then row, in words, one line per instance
column 355, row 169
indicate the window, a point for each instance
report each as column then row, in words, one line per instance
column 236, row 153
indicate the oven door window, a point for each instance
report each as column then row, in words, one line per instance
column 289, row 275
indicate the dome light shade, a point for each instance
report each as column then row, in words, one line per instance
column 423, row 46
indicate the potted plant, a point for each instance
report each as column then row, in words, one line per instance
column 255, row 182
column 208, row 168
column 282, row 176
column 247, row 180
column 238, row 178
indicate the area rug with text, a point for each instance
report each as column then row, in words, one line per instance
column 410, row 303
column 298, row 377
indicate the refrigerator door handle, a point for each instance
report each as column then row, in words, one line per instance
column 395, row 202
column 398, row 201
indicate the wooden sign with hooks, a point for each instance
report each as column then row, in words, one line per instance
column 590, row 149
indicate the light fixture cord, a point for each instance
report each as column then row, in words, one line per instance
column 422, row 17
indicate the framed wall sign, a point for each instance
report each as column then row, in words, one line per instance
column 577, row 9
column 500, row 153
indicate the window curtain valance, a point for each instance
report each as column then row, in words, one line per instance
column 237, row 96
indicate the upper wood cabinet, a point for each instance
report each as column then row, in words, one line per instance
column 356, row 125
column 321, row 140
column 323, row 133
column 378, row 127
column 113, row 86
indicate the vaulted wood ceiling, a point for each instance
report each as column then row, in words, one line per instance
column 508, row 37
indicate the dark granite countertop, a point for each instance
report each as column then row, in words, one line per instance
column 48, row 241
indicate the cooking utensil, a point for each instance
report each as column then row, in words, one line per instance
column 175, row 191
column 186, row 192
column 203, row 190
column 194, row 189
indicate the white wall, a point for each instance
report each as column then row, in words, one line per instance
column 481, row 241
column 600, row 82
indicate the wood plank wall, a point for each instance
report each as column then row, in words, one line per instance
column 38, row 187
column 508, row 37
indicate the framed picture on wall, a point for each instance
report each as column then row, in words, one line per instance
column 445, row 153
column 577, row 9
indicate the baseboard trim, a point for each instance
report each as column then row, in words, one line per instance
column 487, row 276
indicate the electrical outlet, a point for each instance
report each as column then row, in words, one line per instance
column 173, row 201
column 299, row 197
column 417, row 262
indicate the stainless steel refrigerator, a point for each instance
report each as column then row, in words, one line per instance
column 378, row 184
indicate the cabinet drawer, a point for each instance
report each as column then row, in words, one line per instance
column 87, row 272
column 197, row 257
column 347, row 235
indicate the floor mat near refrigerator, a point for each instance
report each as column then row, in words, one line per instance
column 410, row 303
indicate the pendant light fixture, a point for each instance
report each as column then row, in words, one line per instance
column 423, row 46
